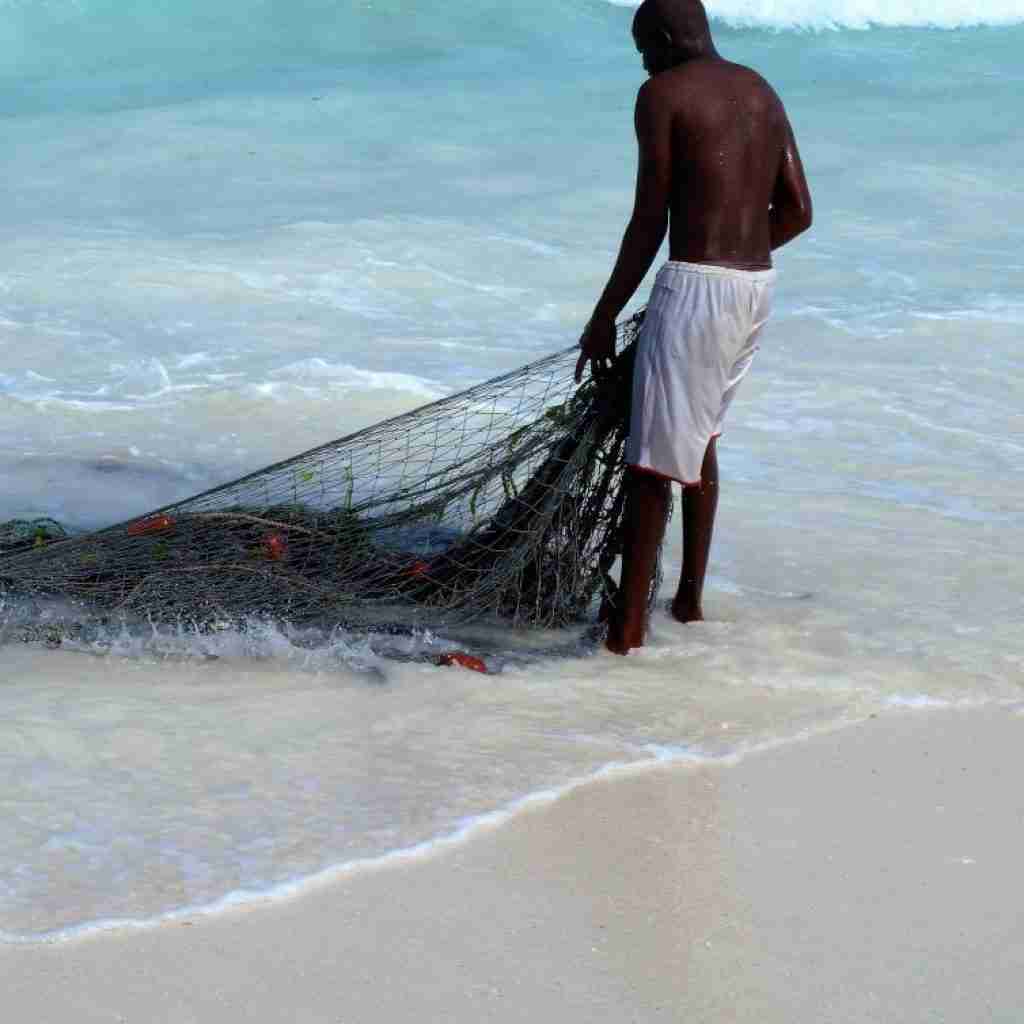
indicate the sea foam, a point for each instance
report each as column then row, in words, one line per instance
column 859, row 14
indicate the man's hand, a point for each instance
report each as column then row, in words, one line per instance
column 598, row 347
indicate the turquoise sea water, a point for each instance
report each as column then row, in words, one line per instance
column 234, row 233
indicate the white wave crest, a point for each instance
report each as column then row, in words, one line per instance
column 860, row 14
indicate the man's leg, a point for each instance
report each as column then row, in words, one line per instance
column 647, row 498
column 699, row 504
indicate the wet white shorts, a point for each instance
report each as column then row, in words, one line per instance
column 697, row 343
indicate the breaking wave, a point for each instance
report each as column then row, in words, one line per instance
column 860, row 14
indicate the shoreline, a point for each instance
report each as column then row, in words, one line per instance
column 240, row 901
column 863, row 874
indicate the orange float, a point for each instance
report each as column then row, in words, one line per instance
column 462, row 660
column 151, row 524
column 275, row 547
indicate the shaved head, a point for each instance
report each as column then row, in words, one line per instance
column 681, row 24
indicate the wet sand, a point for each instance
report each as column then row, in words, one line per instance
column 868, row 874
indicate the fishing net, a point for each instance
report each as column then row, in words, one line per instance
column 504, row 501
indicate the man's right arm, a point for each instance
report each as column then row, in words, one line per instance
column 791, row 210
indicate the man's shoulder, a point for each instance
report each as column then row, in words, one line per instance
column 753, row 81
column 657, row 97
column 743, row 71
column 693, row 81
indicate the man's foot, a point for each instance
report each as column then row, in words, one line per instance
column 620, row 639
column 685, row 611
column 615, row 645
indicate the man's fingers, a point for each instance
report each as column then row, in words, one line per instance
column 600, row 364
column 580, row 363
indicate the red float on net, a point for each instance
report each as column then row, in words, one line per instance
column 275, row 547
column 151, row 524
column 462, row 660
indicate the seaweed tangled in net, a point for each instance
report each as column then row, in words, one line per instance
column 503, row 500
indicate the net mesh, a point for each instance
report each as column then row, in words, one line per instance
column 503, row 500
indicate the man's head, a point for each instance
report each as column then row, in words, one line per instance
column 668, row 32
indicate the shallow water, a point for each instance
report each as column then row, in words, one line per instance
column 214, row 257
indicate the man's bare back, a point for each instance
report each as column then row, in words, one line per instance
column 719, row 163
column 728, row 135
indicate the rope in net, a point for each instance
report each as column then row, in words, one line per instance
column 504, row 500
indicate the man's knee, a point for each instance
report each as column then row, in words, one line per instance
column 647, row 484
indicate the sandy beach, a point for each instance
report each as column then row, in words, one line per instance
column 866, row 874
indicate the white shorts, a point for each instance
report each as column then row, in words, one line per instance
column 697, row 343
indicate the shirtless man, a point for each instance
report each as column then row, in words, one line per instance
column 717, row 159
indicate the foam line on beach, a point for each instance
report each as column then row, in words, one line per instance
column 418, row 851
column 657, row 756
